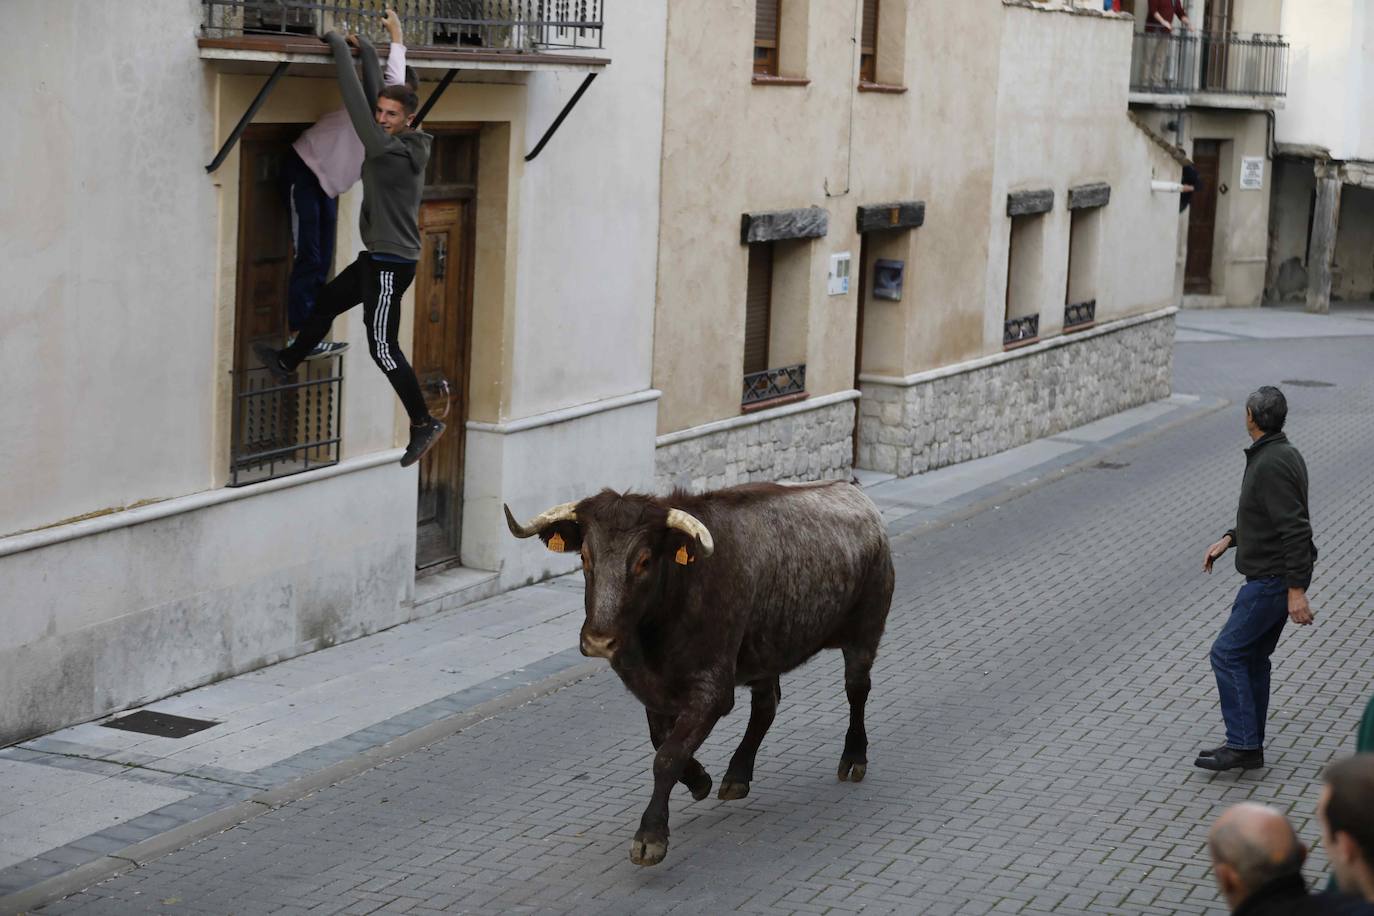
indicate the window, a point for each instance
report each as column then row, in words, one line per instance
column 277, row 430
column 1024, row 257
column 758, row 307
column 766, row 17
column 1080, row 294
column 868, row 43
column 775, row 338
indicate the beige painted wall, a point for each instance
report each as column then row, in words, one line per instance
column 1331, row 81
column 107, row 330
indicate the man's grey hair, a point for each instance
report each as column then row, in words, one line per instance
column 1268, row 408
column 1258, row 857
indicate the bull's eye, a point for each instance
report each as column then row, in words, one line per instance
column 642, row 563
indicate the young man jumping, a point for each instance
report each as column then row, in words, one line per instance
column 393, row 180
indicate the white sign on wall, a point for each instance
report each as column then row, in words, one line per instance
column 1251, row 173
column 838, row 280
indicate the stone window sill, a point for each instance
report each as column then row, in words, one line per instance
column 889, row 88
column 761, row 80
column 1021, row 343
column 774, row 402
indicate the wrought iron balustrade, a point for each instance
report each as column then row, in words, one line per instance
column 1079, row 313
column 1020, row 330
column 771, row 384
column 1226, row 63
column 281, row 430
column 493, row 25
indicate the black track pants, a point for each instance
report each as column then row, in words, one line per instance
column 378, row 285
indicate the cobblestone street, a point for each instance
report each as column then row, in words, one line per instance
column 1038, row 700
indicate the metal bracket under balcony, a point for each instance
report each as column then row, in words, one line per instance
column 774, row 386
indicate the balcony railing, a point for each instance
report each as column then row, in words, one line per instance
column 493, row 25
column 1224, row 63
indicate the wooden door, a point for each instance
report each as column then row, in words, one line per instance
column 1216, row 30
column 441, row 362
column 264, row 258
column 1202, row 218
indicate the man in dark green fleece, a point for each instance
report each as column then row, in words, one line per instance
column 1275, row 553
column 393, row 181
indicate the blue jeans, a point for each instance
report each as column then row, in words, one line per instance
column 314, row 222
column 1240, row 659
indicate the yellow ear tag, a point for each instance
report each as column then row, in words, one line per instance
column 682, row 558
column 556, row 542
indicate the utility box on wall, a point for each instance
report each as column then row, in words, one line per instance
column 887, row 279
column 839, row 274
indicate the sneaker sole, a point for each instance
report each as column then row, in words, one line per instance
column 268, row 357
column 424, row 451
column 332, row 351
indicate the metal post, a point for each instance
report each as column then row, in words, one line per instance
column 244, row 121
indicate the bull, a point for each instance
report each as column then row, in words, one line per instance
column 690, row 596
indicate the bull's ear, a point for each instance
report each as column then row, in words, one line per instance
column 562, row 537
column 684, row 550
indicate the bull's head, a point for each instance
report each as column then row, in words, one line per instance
column 630, row 545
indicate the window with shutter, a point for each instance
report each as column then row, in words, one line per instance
column 868, row 43
column 758, row 307
column 766, row 37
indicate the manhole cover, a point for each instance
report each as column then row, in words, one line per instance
column 162, row 724
column 1112, row 465
column 1307, row 383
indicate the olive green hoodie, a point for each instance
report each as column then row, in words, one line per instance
column 393, row 166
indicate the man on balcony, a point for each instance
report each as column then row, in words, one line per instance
column 1159, row 29
column 395, row 156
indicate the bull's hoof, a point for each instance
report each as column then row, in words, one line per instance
column 852, row 772
column 700, row 787
column 731, row 790
column 647, row 849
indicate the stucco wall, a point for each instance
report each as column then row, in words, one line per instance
column 107, row 332
column 1330, row 99
column 1352, row 274
column 1061, row 118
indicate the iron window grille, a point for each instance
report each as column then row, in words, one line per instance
column 501, row 25
column 1080, row 313
column 280, row 430
column 1020, row 330
column 771, row 384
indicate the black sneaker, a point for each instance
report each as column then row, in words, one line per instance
column 422, row 439
column 327, row 348
column 1228, row 758
column 271, row 360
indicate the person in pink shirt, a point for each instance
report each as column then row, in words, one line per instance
column 325, row 161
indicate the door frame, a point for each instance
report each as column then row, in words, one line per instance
column 466, row 195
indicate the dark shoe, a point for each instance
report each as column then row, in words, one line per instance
column 422, row 439
column 271, row 360
column 327, row 348
column 1211, row 751
column 1228, row 758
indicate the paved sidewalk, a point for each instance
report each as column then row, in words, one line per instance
column 89, row 801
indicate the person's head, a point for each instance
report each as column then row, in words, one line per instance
column 1265, row 411
column 396, row 106
column 1346, row 815
column 1252, row 845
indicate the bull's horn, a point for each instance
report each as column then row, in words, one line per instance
column 689, row 525
column 567, row 512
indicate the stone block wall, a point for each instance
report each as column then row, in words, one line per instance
column 999, row 404
column 814, row 444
